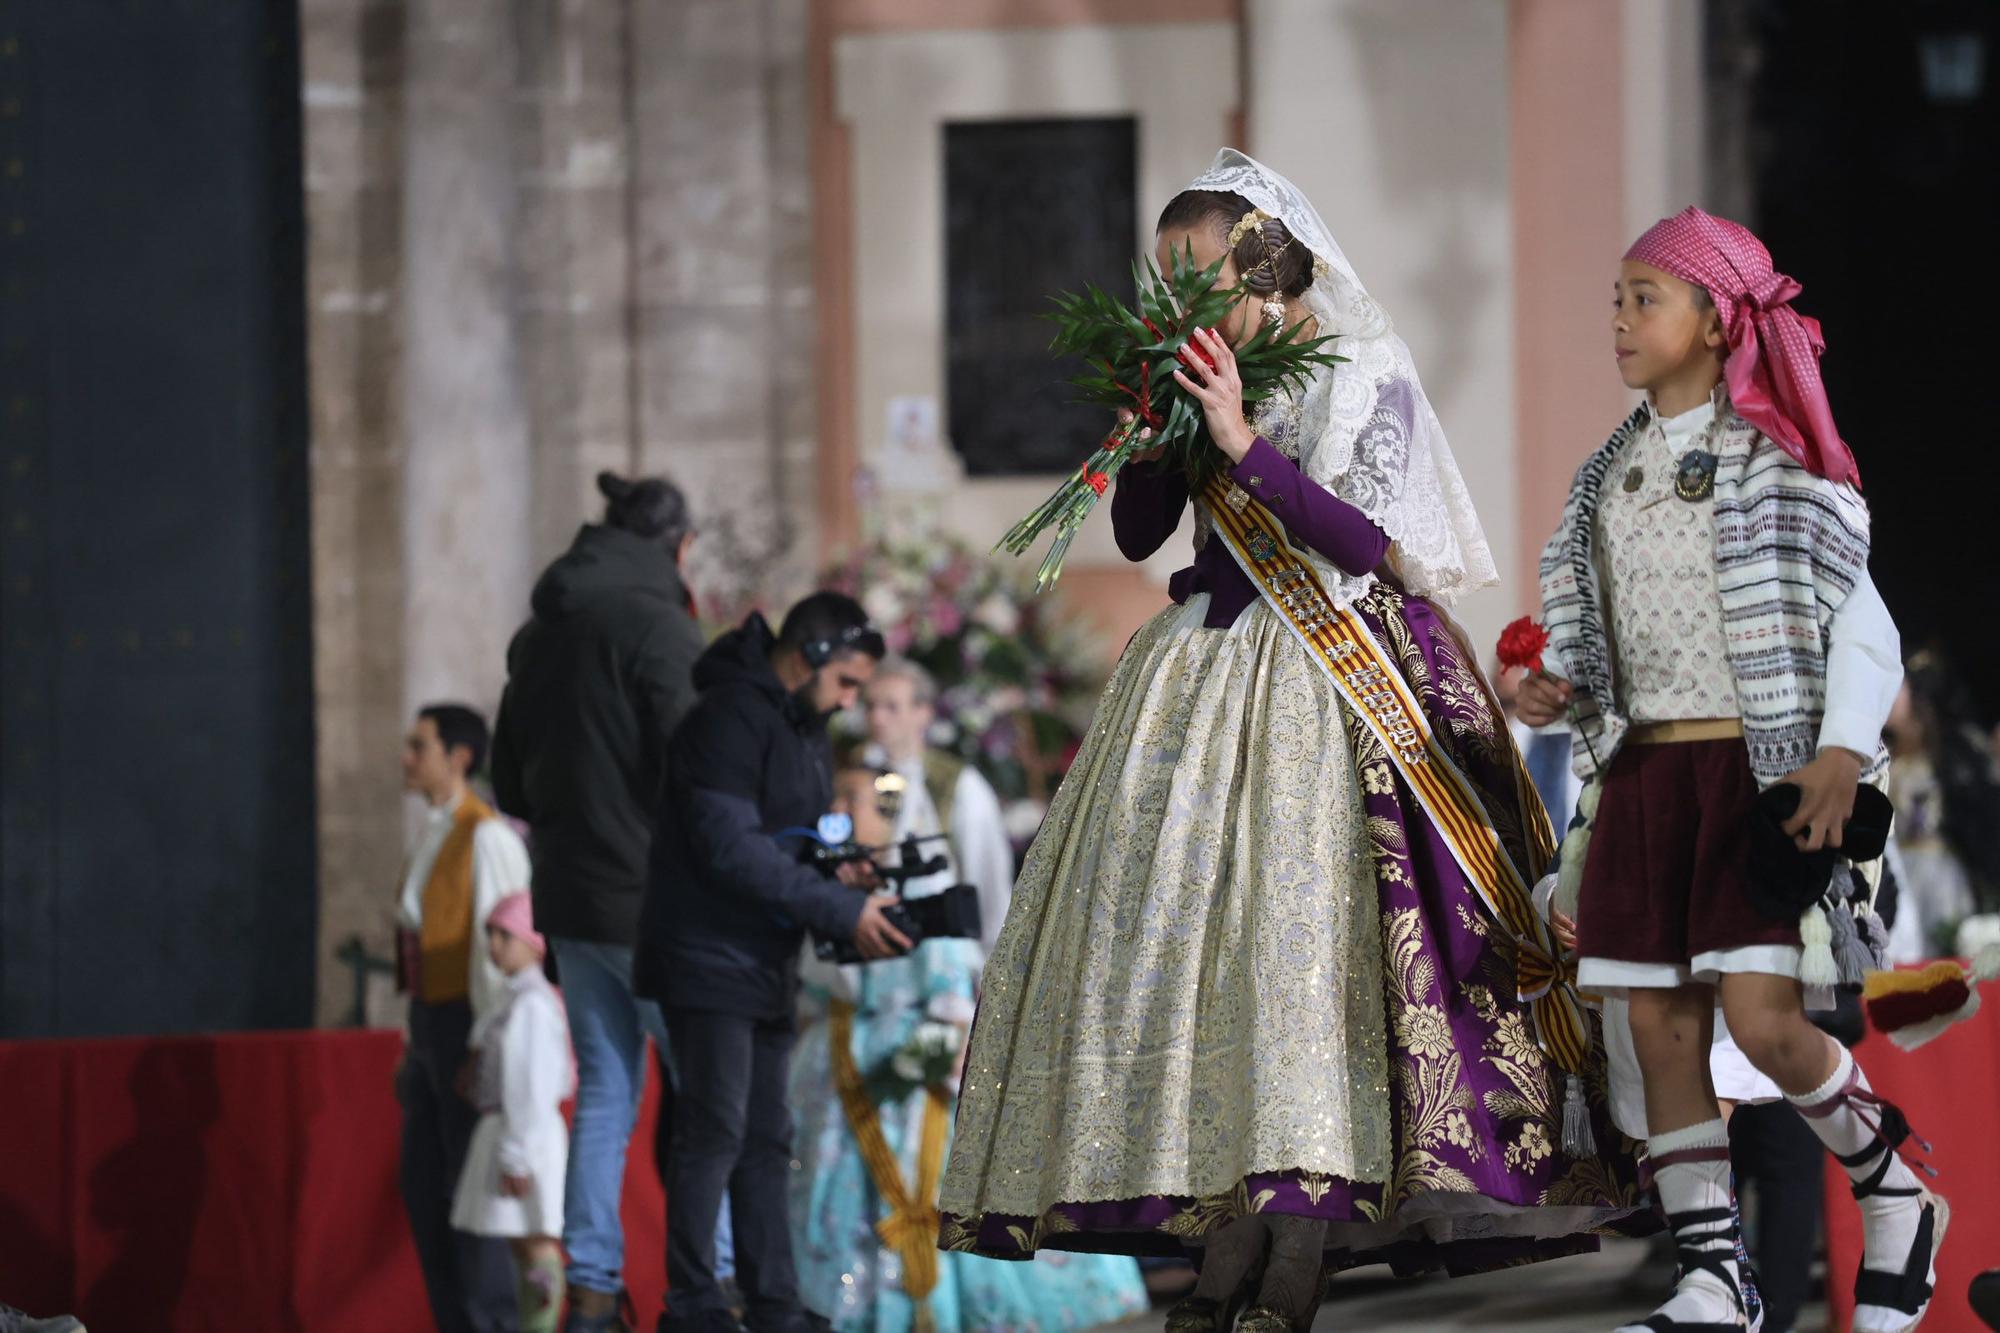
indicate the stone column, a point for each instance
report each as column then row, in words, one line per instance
column 573, row 257
column 352, row 66
column 500, row 307
column 725, row 321
column 467, row 543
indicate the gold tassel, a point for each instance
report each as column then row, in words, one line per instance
column 911, row 1228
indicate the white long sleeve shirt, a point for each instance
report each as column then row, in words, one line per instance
column 1864, row 672
column 499, row 867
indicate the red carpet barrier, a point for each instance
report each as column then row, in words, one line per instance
column 242, row 1181
column 1950, row 1090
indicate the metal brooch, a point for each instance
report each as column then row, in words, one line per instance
column 1694, row 478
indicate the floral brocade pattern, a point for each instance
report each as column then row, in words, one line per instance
column 1242, row 973
column 1181, row 996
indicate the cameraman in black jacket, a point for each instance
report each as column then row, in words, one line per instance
column 729, row 900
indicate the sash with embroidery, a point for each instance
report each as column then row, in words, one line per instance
column 1367, row 678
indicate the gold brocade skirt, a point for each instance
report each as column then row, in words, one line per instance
column 1189, row 986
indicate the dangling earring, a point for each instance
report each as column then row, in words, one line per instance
column 1274, row 311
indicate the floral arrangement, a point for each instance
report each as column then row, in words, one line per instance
column 1017, row 681
column 1131, row 355
column 930, row 1057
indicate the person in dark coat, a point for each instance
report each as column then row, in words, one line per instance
column 731, row 895
column 597, row 682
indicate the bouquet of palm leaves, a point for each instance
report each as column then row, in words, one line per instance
column 1131, row 356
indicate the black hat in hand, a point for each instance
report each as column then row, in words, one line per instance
column 1784, row 880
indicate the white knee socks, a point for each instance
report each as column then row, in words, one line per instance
column 1862, row 1131
column 1691, row 1174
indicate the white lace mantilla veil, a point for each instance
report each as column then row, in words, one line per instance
column 1366, row 431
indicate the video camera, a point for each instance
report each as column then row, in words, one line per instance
column 952, row 914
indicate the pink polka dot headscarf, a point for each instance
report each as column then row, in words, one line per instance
column 1773, row 366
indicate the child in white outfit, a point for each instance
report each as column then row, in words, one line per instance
column 513, row 1180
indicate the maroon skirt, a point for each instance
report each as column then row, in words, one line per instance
column 1665, row 880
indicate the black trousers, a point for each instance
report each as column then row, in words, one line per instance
column 1779, row 1160
column 732, row 1130
column 469, row 1279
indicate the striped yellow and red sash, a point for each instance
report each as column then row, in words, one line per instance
column 1369, row 681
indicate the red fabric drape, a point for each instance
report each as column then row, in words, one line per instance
column 239, row 1181
column 1950, row 1090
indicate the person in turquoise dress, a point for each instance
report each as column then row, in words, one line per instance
column 874, row 1090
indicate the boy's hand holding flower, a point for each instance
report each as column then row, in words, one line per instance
column 1542, row 699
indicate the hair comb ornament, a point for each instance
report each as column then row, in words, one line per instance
column 1256, row 217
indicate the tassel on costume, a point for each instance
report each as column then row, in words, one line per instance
column 1912, row 1007
column 1850, row 956
column 1876, row 935
column 1816, row 963
column 1577, row 1138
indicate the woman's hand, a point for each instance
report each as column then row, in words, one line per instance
column 1542, row 699
column 1220, row 393
column 1145, row 433
column 516, row 1187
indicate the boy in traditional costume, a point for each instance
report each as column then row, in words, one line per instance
column 1715, row 631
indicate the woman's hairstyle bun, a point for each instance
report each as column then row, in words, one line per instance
column 1268, row 257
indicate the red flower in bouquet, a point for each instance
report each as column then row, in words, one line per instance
column 1521, row 645
column 1194, row 358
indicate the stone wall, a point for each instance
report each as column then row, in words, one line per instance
column 548, row 237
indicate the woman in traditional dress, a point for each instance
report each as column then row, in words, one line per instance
column 1271, row 992
column 872, row 1088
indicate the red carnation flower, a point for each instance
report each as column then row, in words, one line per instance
column 1194, row 358
column 1521, row 645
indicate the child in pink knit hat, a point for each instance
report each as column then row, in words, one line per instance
column 513, row 1180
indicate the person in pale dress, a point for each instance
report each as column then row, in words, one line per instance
column 1263, row 997
column 942, row 794
column 512, row 1186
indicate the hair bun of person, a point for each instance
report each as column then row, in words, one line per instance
column 612, row 486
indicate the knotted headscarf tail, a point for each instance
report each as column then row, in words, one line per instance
column 1773, row 365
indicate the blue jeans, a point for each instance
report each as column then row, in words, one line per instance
column 608, row 1027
